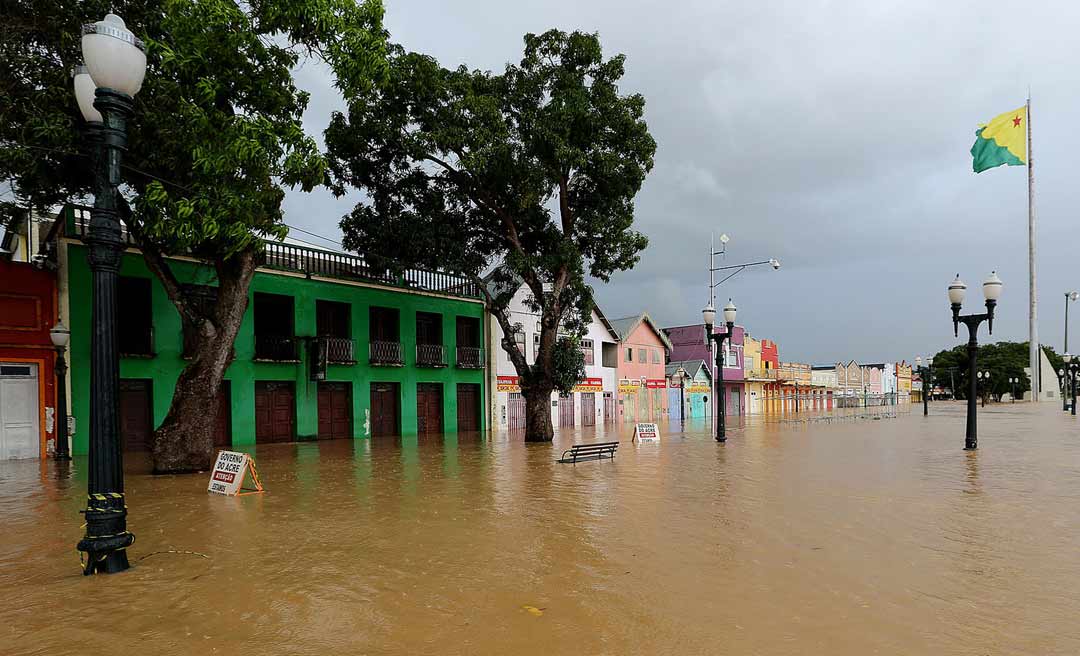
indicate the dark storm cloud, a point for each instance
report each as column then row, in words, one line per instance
column 831, row 135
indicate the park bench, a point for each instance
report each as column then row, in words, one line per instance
column 594, row 451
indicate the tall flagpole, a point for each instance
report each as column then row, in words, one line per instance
column 1033, row 329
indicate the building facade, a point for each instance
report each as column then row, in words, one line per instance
column 642, row 380
column 688, row 343
column 328, row 348
column 689, row 387
column 29, row 421
column 903, row 382
column 592, row 402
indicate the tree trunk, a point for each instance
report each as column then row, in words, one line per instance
column 538, row 426
column 185, row 440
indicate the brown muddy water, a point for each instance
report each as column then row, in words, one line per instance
column 863, row 537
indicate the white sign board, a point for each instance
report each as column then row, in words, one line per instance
column 646, row 433
column 229, row 472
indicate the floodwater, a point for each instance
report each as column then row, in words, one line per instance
column 839, row 538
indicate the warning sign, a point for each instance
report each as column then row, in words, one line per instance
column 230, row 471
column 646, row 433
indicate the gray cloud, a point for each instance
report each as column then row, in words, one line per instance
column 831, row 135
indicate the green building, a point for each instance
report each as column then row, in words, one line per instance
column 329, row 348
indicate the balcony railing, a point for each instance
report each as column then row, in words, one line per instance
column 311, row 261
column 290, row 257
column 339, row 350
column 277, row 348
column 430, row 355
column 386, row 353
column 470, row 357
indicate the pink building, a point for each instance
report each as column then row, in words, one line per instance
column 642, row 386
column 688, row 343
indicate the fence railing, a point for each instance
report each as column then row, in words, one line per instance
column 277, row 347
column 430, row 355
column 386, row 353
column 312, row 261
column 470, row 357
column 339, row 350
column 290, row 257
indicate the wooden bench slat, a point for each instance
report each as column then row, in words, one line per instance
column 593, row 451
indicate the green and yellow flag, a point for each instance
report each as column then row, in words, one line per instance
column 1001, row 141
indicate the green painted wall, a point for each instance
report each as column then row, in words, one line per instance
column 165, row 367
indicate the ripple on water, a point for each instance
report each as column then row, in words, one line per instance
column 849, row 537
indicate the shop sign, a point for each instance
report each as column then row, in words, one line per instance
column 631, row 386
column 590, row 385
column 656, row 383
column 507, row 384
column 698, row 388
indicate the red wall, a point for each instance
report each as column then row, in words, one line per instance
column 770, row 354
column 28, row 303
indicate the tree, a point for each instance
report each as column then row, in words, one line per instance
column 1003, row 360
column 216, row 139
column 535, row 168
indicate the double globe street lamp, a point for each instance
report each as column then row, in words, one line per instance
column 984, row 384
column 709, row 317
column 1072, row 370
column 1013, row 380
column 104, row 89
column 991, row 292
column 925, row 373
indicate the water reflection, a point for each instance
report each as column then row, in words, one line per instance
column 847, row 538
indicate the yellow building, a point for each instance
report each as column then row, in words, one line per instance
column 903, row 382
column 755, row 375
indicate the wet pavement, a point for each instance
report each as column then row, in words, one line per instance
column 818, row 537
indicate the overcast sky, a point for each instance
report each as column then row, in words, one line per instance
column 833, row 136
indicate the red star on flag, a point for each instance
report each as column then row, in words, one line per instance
column 1016, row 121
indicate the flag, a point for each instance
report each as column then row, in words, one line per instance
column 1001, row 141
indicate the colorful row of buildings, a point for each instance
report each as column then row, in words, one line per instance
column 331, row 347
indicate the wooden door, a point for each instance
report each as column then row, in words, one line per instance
column 429, row 408
column 275, row 412
column 566, row 410
column 588, row 409
column 674, row 403
column 516, row 411
column 385, row 409
column 609, row 407
column 335, row 411
column 223, row 419
column 136, row 415
column 468, row 407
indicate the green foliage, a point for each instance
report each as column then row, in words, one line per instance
column 568, row 364
column 1003, row 360
column 535, row 168
column 217, row 133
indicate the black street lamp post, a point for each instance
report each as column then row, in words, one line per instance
column 1072, row 371
column 984, row 383
column 60, row 336
column 1069, row 296
column 115, row 67
column 926, row 374
column 1013, row 380
column 709, row 316
column 991, row 291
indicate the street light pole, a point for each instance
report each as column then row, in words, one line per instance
column 60, row 336
column 991, row 291
column 925, row 373
column 115, row 67
column 709, row 316
column 1072, row 370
